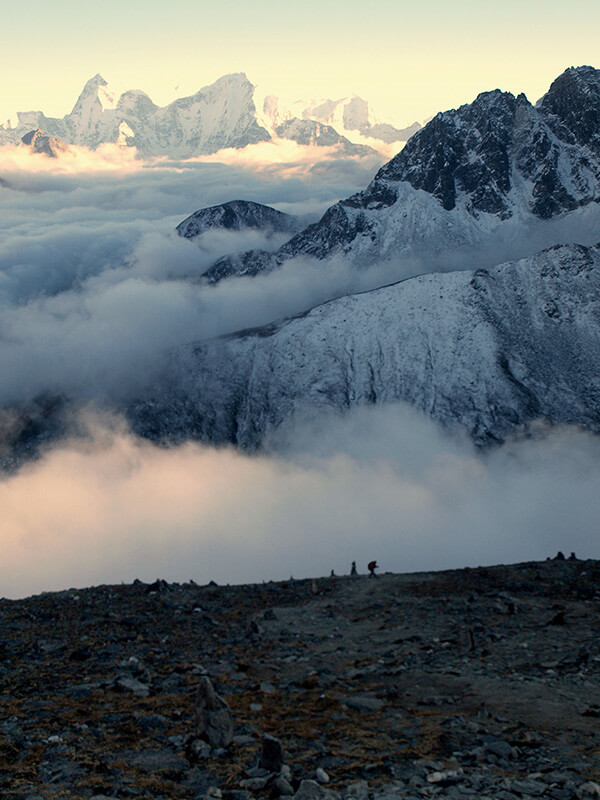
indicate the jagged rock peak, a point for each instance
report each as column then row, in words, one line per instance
column 237, row 215
column 574, row 100
column 462, row 149
column 94, row 98
column 91, row 88
column 39, row 142
column 30, row 137
column 477, row 150
column 94, row 82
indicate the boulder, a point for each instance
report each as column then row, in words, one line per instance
column 271, row 756
column 215, row 722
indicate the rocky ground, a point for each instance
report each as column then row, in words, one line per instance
column 472, row 683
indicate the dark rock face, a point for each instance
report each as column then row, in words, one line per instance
column 237, row 215
column 572, row 105
column 464, row 150
column 45, row 145
column 24, row 433
column 243, row 265
column 482, row 149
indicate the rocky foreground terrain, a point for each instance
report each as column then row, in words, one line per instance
column 472, row 683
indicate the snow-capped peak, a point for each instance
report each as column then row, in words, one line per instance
column 228, row 113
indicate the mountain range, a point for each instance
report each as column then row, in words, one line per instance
column 348, row 115
column 222, row 115
column 488, row 221
column 491, row 348
column 498, row 178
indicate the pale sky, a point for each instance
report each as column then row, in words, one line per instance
column 409, row 59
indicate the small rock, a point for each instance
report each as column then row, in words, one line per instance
column 257, row 772
column 530, row 788
column 198, row 749
column 243, row 739
column 254, row 784
column 150, row 761
column 281, row 787
column 445, row 778
column 158, row 587
column 499, row 748
column 321, row 775
column 126, row 684
column 309, row 790
column 558, row 619
column 362, row 703
column 359, row 790
column 588, row 791
column 253, row 631
column 152, row 722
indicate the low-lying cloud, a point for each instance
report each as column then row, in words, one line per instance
column 380, row 482
column 94, row 282
column 95, row 286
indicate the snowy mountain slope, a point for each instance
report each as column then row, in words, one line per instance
column 237, row 215
column 488, row 177
column 487, row 350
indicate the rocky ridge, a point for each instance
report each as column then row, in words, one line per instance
column 237, row 215
column 468, row 683
column 497, row 174
column 486, row 350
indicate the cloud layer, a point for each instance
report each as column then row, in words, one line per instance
column 94, row 285
column 381, row 482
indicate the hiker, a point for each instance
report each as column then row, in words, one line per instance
column 353, row 569
column 372, row 566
